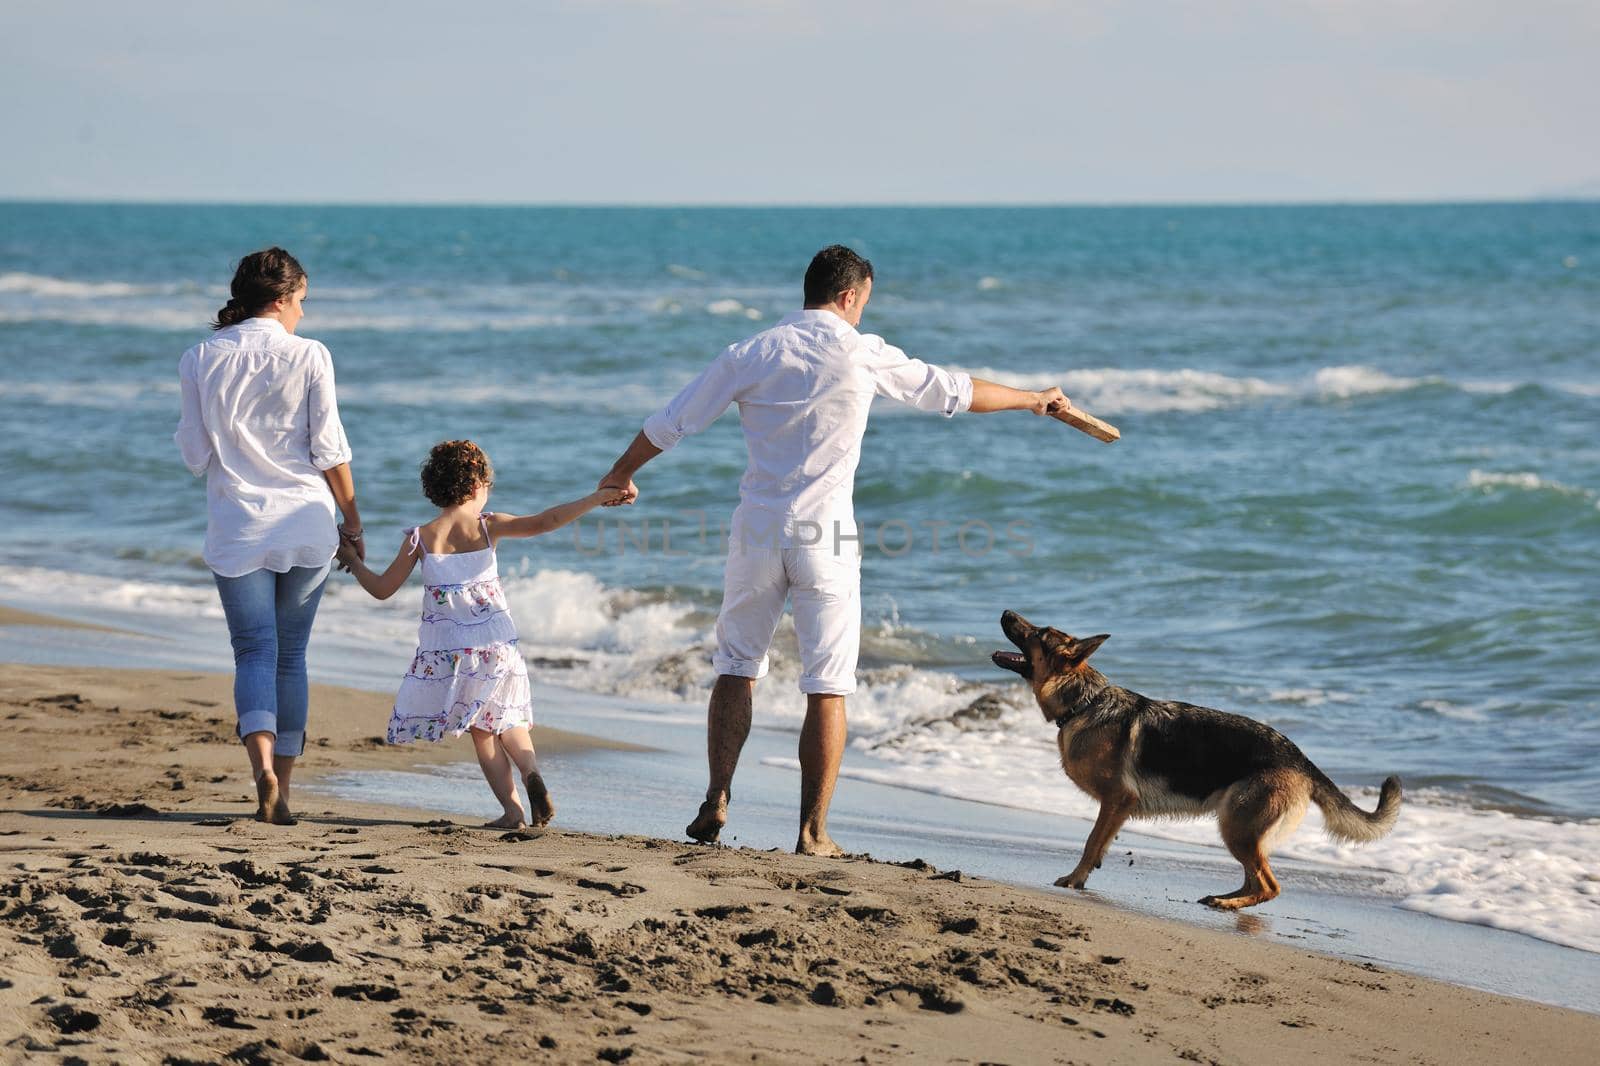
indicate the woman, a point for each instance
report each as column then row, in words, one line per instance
column 260, row 422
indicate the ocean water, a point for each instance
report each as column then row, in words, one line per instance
column 1357, row 495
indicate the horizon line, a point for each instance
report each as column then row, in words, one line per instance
column 800, row 205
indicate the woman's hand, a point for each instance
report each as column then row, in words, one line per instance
column 346, row 554
column 351, row 540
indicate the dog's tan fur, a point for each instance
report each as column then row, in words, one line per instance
column 1128, row 753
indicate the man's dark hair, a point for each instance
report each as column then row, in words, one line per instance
column 832, row 271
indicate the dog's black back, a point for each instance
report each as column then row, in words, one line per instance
column 1197, row 751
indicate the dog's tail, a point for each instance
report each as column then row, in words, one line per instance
column 1349, row 823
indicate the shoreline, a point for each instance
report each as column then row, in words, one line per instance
column 1345, row 910
column 13, row 616
column 148, row 916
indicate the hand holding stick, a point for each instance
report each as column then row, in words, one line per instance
column 1063, row 411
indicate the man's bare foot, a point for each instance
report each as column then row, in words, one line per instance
column 707, row 825
column 512, row 820
column 539, row 799
column 822, row 846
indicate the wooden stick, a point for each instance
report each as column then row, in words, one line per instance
column 1083, row 420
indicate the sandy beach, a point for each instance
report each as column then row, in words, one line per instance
column 147, row 918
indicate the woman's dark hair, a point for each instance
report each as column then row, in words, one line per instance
column 832, row 271
column 453, row 471
column 260, row 279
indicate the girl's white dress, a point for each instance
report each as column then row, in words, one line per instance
column 467, row 673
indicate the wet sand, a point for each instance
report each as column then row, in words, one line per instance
column 146, row 917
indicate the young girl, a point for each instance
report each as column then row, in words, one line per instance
column 467, row 674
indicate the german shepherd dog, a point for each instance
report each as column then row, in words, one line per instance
column 1144, row 758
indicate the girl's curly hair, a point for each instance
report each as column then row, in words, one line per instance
column 453, row 471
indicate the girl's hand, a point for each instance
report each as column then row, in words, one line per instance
column 346, row 554
column 630, row 492
column 612, row 495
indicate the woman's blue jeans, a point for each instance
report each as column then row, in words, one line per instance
column 269, row 621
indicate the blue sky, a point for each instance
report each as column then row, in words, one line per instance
column 670, row 101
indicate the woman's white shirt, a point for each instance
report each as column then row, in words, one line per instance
column 261, row 423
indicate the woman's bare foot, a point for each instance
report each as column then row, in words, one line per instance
column 708, row 823
column 539, row 800
column 267, row 798
column 272, row 806
column 509, row 820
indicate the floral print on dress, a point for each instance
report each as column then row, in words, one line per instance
column 467, row 672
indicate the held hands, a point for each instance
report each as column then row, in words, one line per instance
column 346, row 554
column 616, row 493
column 351, row 546
column 1049, row 401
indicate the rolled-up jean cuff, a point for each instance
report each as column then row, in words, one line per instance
column 258, row 722
column 754, row 669
column 291, row 744
column 827, row 686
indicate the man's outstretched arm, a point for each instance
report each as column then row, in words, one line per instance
column 640, row 452
column 991, row 396
column 948, row 392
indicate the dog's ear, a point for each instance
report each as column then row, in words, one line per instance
column 1080, row 650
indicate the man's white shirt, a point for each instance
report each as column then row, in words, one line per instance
column 804, row 390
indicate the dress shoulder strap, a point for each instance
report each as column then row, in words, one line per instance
column 414, row 541
column 483, row 520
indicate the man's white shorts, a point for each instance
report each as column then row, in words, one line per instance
column 825, row 587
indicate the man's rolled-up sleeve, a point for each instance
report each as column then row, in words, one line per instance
column 924, row 386
column 329, row 446
column 194, row 443
column 697, row 405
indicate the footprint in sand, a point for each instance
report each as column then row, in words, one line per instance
column 224, row 1018
column 367, row 992
column 249, row 874
column 759, row 936
column 195, row 914
column 624, row 889
column 69, row 1019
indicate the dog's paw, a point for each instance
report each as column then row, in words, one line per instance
column 1225, row 903
column 1072, row 880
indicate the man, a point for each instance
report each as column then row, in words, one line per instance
column 804, row 388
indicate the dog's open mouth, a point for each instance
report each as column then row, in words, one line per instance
column 1010, row 660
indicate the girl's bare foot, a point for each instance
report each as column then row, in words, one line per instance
column 510, row 820
column 539, row 799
